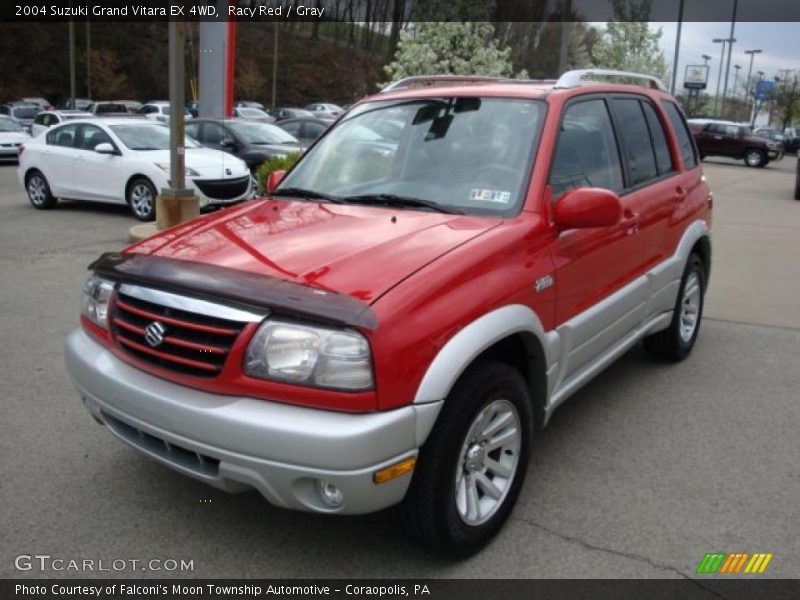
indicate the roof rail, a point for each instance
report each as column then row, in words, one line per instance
column 423, row 80
column 575, row 78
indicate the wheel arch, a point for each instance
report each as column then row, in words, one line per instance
column 513, row 335
column 133, row 178
column 702, row 248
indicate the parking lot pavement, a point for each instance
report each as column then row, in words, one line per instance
column 639, row 475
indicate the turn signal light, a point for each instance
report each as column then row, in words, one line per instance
column 395, row 470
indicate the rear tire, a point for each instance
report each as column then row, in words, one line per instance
column 39, row 191
column 755, row 158
column 676, row 342
column 141, row 198
column 472, row 467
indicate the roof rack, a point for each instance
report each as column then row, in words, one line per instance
column 432, row 80
column 575, row 78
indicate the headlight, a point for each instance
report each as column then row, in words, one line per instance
column 94, row 303
column 165, row 167
column 310, row 355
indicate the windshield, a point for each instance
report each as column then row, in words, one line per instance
column 470, row 155
column 9, row 125
column 262, row 133
column 26, row 112
column 147, row 137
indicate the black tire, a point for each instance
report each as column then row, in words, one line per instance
column 136, row 195
column 670, row 344
column 429, row 513
column 756, row 158
column 39, row 191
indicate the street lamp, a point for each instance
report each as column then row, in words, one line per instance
column 735, row 80
column 752, row 54
column 722, row 41
column 706, row 58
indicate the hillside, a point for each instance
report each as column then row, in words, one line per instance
column 130, row 61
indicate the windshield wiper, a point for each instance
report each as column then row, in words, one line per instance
column 293, row 192
column 401, row 201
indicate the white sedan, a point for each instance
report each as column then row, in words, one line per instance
column 123, row 161
column 12, row 136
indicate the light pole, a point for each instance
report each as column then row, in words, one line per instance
column 731, row 41
column 88, row 60
column 722, row 41
column 72, row 63
column 706, row 58
column 735, row 80
column 677, row 49
column 756, row 104
column 752, row 54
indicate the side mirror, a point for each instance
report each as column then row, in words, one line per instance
column 105, row 148
column 273, row 180
column 584, row 208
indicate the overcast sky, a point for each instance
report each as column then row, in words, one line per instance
column 780, row 43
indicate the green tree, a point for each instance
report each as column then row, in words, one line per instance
column 465, row 48
column 629, row 44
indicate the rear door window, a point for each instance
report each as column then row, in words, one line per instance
column 638, row 149
column 659, row 139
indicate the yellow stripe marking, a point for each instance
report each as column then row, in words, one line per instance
column 767, row 558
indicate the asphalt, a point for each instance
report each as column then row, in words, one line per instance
column 639, row 475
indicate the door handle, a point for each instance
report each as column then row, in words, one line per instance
column 681, row 193
column 629, row 222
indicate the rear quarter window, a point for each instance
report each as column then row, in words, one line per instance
column 682, row 133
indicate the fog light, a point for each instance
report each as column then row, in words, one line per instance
column 330, row 494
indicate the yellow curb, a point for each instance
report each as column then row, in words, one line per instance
column 142, row 231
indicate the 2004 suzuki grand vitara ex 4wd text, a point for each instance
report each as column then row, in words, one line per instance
column 436, row 275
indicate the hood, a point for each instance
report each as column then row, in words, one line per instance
column 356, row 250
column 209, row 163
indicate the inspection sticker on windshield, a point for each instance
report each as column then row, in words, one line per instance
column 495, row 196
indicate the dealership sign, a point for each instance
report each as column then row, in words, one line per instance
column 696, row 77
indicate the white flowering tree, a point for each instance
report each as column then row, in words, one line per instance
column 464, row 48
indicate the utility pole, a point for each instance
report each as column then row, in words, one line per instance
column 756, row 102
column 275, row 68
column 677, row 49
column 731, row 41
column 566, row 24
column 735, row 80
column 72, row 63
column 88, row 60
column 722, row 41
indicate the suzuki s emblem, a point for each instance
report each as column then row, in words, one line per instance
column 228, row 172
column 154, row 334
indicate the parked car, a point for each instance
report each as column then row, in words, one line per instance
column 12, row 137
column 280, row 114
column 80, row 104
column 733, row 140
column 22, row 114
column 251, row 141
column 132, row 106
column 392, row 331
column 252, row 114
column 107, row 108
column 305, row 129
column 45, row 120
column 123, row 161
column 327, row 111
column 789, row 142
column 159, row 111
column 40, row 102
column 248, row 104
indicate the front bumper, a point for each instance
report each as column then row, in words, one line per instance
column 774, row 155
column 236, row 443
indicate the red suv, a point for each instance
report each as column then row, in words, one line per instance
column 392, row 323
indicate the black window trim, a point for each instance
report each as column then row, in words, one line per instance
column 672, row 163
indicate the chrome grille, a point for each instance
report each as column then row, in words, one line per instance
column 154, row 328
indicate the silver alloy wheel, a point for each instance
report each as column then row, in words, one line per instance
column 753, row 158
column 488, row 462
column 690, row 307
column 141, row 200
column 37, row 190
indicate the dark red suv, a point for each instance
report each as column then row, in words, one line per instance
column 395, row 320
